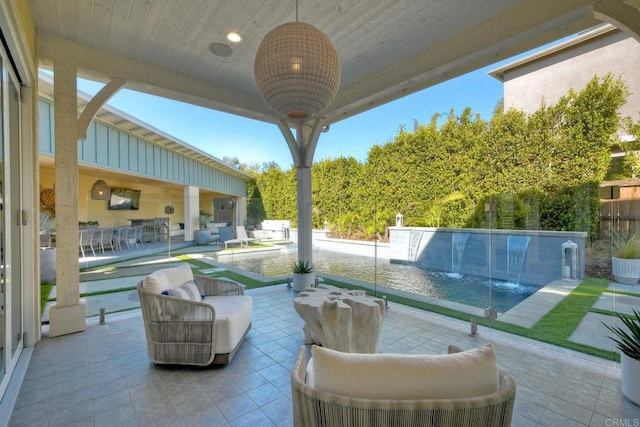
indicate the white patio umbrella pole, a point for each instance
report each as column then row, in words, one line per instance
column 302, row 148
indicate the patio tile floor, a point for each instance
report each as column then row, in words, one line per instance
column 102, row 376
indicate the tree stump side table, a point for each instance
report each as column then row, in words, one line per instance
column 341, row 319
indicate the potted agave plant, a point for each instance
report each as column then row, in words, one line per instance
column 625, row 263
column 628, row 342
column 303, row 275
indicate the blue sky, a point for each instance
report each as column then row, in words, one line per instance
column 251, row 141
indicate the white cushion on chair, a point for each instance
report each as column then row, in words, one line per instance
column 233, row 317
column 163, row 279
column 405, row 376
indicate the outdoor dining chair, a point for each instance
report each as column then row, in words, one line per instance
column 121, row 237
column 138, row 232
column 104, row 237
column 86, row 240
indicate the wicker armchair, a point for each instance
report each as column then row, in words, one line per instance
column 181, row 331
column 316, row 408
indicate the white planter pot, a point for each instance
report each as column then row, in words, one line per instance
column 626, row 271
column 630, row 378
column 303, row 281
column 47, row 265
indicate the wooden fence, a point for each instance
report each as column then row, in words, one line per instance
column 620, row 215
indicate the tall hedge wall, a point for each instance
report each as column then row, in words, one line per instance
column 539, row 171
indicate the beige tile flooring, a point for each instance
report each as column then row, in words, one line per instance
column 102, row 377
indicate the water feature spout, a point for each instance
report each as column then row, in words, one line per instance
column 414, row 245
column 458, row 244
column 516, row 252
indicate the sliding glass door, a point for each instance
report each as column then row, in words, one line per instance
column 11, row 223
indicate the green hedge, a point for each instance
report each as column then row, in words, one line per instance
column 541, row 170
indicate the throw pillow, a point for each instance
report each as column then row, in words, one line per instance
column 199, row 288
column 165, row 278
column 187, row 291
column 469, row 373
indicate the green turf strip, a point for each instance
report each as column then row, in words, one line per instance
column 627, row 293
column 610, row 313
column 45, row 290
column 122, row 310
column 193, row 261
column 104, row 292
column 563, row 319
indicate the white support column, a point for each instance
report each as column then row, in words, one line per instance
column 302, row 148
column 305, row 236
column 68, row 315
column 191, row 211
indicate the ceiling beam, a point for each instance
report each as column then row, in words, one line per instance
column 622, row 15
column 100, row 65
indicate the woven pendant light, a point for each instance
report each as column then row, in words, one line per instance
column 297, row 70
column 100, row 190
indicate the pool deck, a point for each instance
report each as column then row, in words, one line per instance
column 103, row 377
column 142, row 261
column 113, row 382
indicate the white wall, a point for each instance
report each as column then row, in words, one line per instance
column 552, row 76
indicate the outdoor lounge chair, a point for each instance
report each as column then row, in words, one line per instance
column 242, row 235
column 193, row 320
column 242, row 238
column 340, row 389
column 233, row 241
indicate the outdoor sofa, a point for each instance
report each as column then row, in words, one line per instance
column 336, row 389
column 193, row 320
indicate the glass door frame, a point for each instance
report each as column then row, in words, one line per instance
column 11, row 214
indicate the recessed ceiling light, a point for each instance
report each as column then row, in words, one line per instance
column 220, row 49
column 234, row 37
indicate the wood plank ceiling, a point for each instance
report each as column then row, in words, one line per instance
column 387, row 48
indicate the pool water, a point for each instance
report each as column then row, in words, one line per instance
column 469, row 290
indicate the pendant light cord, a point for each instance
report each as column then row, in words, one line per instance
column 296, row 10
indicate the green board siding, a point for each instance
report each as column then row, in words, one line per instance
column 115, row 149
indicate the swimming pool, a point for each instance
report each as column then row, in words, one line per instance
column 469, row 290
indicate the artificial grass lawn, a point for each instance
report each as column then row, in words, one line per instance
column 45, row 290
column 558, row 324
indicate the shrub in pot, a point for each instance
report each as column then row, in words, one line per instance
column 628, row 342
column 303, row 275
column 203, row 236
column 204, row 218
column 625, row 263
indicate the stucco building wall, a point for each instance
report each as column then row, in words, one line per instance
column 546, row 76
